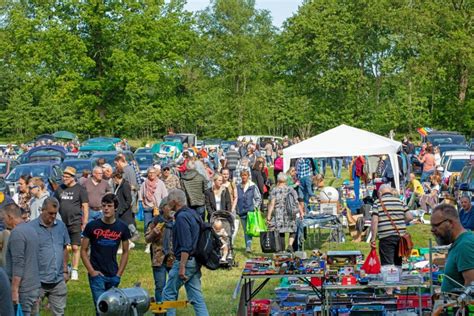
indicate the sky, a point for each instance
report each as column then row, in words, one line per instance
column 280, row 9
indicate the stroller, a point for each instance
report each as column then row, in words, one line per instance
column 227, row 219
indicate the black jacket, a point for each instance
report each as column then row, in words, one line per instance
column 260, row 179
column 226, row 205
column 124, row 196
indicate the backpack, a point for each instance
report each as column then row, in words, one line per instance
column 208, row 248
column 291, row 205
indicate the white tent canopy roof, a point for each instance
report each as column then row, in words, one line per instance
column 344, row 141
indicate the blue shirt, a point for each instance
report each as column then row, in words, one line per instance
column 467, row 218
column 52, row 241
column 185, row 231
column 303, row 168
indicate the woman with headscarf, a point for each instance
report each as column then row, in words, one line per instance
column 152, row 191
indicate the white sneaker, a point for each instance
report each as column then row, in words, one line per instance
column 131, row 245
column 74, row 275
column 147, row 248
column 119, row 251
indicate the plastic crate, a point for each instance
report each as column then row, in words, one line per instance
column 412, row 301
column 372, row 310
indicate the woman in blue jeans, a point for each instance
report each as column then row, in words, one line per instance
column 248, row 198
column 160, row 235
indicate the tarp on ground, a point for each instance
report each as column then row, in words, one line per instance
column 345, row 141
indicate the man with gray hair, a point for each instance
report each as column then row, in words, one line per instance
column 387, row 209
column 96, row 188
column 185, row 271
column 22, row 260
column 53, row 239
column 466, row 214
column 194, row 185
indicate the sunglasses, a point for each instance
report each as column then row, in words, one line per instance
column 439, row 224
column 32, row 187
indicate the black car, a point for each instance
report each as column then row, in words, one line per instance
column 109, row 156
column 48, row 171
column 452, row 147
column 144, row 161
column 79, row 164
column 437, row 138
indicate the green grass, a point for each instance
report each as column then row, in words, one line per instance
column 218, row 286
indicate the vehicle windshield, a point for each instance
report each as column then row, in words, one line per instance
column 41, row 171
column 3, row 167
column 456, row 165
column 108, row 158
column 173, row 138
column 144, row 159
column 446, row 139
column 79, row 165
column 143, row 150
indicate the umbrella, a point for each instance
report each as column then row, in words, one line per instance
column 65, row 135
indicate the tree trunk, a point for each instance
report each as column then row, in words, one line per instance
column 463, row 81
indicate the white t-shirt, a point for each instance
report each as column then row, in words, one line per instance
column 218, row 201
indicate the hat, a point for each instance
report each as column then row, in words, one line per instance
column 70, row 170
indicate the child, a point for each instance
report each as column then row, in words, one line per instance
column 224, row 237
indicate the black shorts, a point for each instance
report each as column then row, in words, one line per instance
column 388, row 250
column 74, row 232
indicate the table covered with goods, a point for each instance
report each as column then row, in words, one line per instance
column 338, row 283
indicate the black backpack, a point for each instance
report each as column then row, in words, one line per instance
column 208, row 248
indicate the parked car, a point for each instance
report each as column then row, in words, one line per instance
column 190, row 139
column 93, row 147
column 43, row 153
column 465, row 181
column 453, row 147
column 454, row 165
column 44, row 170
column 6, row 165
column 109, row 156
column 144, row 161
column 79, row 164
column 437, row 138
column 447, row 154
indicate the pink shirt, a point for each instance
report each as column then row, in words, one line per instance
column 429, row 162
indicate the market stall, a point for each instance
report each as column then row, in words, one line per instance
column 344, row 141
column 338, row 283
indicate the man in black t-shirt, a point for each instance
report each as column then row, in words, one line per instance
column 74, row 211
column 103, row 237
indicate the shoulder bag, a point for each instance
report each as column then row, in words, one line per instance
column 405, row 244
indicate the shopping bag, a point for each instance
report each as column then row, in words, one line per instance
column 268, row 241
column 372, row 263
column 19, row 310
column 140, row 214
column 255, row 223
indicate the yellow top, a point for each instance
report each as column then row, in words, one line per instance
column 416, row 187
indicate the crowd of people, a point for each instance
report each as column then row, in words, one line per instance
column 93, row 218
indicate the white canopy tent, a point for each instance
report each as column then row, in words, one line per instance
column 344, row 141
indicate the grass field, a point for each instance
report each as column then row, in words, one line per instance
column 218, row 286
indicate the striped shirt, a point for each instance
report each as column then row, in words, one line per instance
column 396, row 209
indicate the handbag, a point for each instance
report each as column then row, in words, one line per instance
column 255, row 223
column 405, row 244
column 270, row 241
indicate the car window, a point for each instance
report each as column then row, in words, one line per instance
column 456, row 165
column 3, row 167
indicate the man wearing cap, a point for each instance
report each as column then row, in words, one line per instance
column 74, row 211
column 96, row 188
column 53, row 239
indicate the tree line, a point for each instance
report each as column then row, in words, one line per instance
column 134, row 68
